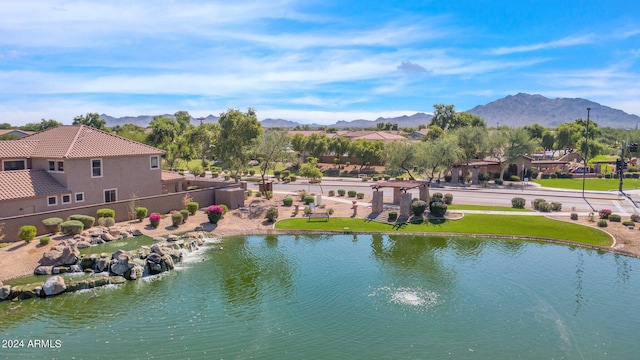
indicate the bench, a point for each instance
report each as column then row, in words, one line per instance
column 318, row 215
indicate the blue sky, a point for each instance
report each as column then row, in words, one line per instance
column 310, row 61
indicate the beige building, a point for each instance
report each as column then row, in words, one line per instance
column 74, row 165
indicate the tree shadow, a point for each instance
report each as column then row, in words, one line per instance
column 18, row 246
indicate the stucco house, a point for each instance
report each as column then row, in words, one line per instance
column 74, row 165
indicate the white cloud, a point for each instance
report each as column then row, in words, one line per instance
column 565, row 42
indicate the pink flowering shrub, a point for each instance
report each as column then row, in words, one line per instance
column 154, row 219
column 604, row 213
column 214, row 213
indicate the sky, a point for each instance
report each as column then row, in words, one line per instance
column 313, row 61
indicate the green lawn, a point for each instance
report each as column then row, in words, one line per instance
column 590, row 184
column 485, row 208
column 526, row 226
column 126, row 244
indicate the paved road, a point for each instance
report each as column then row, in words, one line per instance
column 571, row 200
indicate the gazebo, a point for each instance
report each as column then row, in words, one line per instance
column 400, row 195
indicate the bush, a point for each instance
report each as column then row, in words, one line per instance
column 332, row 193
column 176, row 219
column 258, row 194
column 556, row 206
column 196, row 169
column 86, row 220
column 193, row 207
column 341, row 192
column 393, row 215
column 252, row 172
column 287, row 201
column 544, row 176
column 544, row 207
column 351, row 193
column 105, row 213
column 308, row 199
column 437, row 196
column 106, row 222
column 574, row 216
column 285, row 173
column 52, row 224
column 293, row 177
column 607, row 176
column 185, row 215
column 615, row 218
column 225, row 209
column 518, row 203
column 307, row 210
column 438, row 208
column 514, row 178
column 44, row 240
column 271, row 214
column 141, row 213
column 330, row 211
column 628, row 223
column 154, row 220
column 604, row 213
column 602, row 223
column 360, row 195
column 418, row 207
column 276, row 173
column 635, row 217
column 448, row 198
column 536, row 203
column 482, row 177
column 214, row 213
column 498, row 181
column 302, row 195
column 72, row 227
column 27, row 233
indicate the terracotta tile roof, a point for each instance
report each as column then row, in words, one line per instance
column 10, row 149
column 15, row 131
column 171, row 175
column 20, row 184
column 80, row 141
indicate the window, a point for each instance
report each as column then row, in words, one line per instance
column 80, row 197
column 14, row 164
column 66, row 198
column 110, row 195
column 61, row 166
column 56, row 166
column 52, row 165
column 155, row 162
column 96, row 168
column 52, row 201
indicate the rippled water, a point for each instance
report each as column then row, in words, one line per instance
column 337, row 297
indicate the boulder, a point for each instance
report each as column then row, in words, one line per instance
column 43, row 270
column 140, row 253
column 120, row 262
column 154, row 258
column 134, row 273
column 157, row 249
column 158, row 238
column 101, row 264
column 116, row 280
column 97, row 241
column 136, row 233
column 60, row 255
column 107, row 237
column 60, row 270
column 167, row 263
column 5, row 291
column 83, row 244
column 173, row 238
column 115, row 231
column 54, row 285
column 199, row 228
column 153, row 268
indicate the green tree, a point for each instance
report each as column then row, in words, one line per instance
column 435, row 132
column 536, row 131
column 473, row 142
column 339, row 145
column 203, row 140
column 548, row 140
column 238, row 132
column 310, row 170
column 42, row 125
column 131, row 132
column 91, row 119
column 402, row 155
column 443, row 115
column 464, row 118
column 518, row 143
column 436, row 156
column 5, row 126
column 366, row 151
column 298, row 143
column 272, row 148
column 317, row 144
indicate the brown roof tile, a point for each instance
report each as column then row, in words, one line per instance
column 19, row 184
column 10, row 149
column 80, row 141
column 171, row 175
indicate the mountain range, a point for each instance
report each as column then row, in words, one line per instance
column 513, row 110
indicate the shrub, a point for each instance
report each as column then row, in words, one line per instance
column 176, row 219
column 418, row 207
column 351, row 193
column 602, row 223
column 330, row 211
column 271, row 214
column 615, row 218
column 27, row 233
column 635, row 217
column 498, row 181
column 293, row 177
column 482, row 177
column 574, row 216
column 86, row 220
column 332, row 193
column 607, row 176
column 536, row 203
column 387, row 177
column 196, row 169
column 44, row 240
column 225, row 209
column 214, row 174
column 307, row 210
column 141, row 213
column 393, row 216
column 276, row 173
column 308, row 199
column 258, row 194
column 194, row 187
column 533, row 173
column 544, row 207
column 360, row 195
column 544, row 176
column 437, row 196
column 105, row 213
column 185, row 215
column 556, row 206
column 252, row 172
column 226, row 177
column 438, row 208
column 604, row 213
column 72, row 227
column 52, row 224
column 341, row 192
column 448, row 198
column 214, row 213
column 287, row 201
column 106, row 222
column 193, row 207
column 154, row 220
column 628, row 223
column 514, row 178
column 302, row 195
column 285, row 173
column 518, row 203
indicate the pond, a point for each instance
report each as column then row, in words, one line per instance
column 349, row 296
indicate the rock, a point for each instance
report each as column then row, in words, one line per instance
column 154, row 258
column 5, row 291
column 124, row 235
column 54, row 285
column 172, row 237
column 83, row 244
column 60, row 255
column 199, row 228
column 97, row 241
column 1, row 284
column 136, row 233
column 134, row 273
column 101, row 264
column 158, row 238
column 116, row 280
column 140, row 253
column 167, row 263
column 60, row 270
column 157, row 249
column 43, row 270
column 115, row 231
column 154, row 268
column 107, row 237
column 120, row 262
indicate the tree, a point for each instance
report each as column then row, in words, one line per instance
column 366, row 150
column 339, row 145
column 466, row 119
column 473, row 142
column 42, row 125
column 91, row 119
column 402, row 155
column 272, row 148
column 310, row 170
column 203, row 139
column 317, row 145
column 163, row 132
column 131, row 132
column 536, row 131
column 298, row 143
column 443, row 115
column 6, row 126
column 435, row 156
column 434, row 132
column 548, row 140
column 184, row 121
column 238, row 131
column 518, row 144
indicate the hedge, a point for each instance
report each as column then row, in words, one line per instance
column 185, row 215
column 52, row 224
column 287, row 201
column 72, row 227
column 105, row 213
column 86, row 220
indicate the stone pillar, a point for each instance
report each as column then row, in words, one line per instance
column 396, row 195
column 377, row 202
column 455, row 175
column 474, row 175
column 424, row 194
column 405, row 205
column 355, row 208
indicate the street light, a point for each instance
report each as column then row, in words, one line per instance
column 585, row 155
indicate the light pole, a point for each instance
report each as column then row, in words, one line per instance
column 585, row 155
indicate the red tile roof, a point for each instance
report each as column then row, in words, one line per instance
column 19, row 184
column 10, row 149
column 80, row 141
column 171, row 175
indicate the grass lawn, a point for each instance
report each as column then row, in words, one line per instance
column 590, row 184
column 126, row 244
column 533, row 226
column 485, row 208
